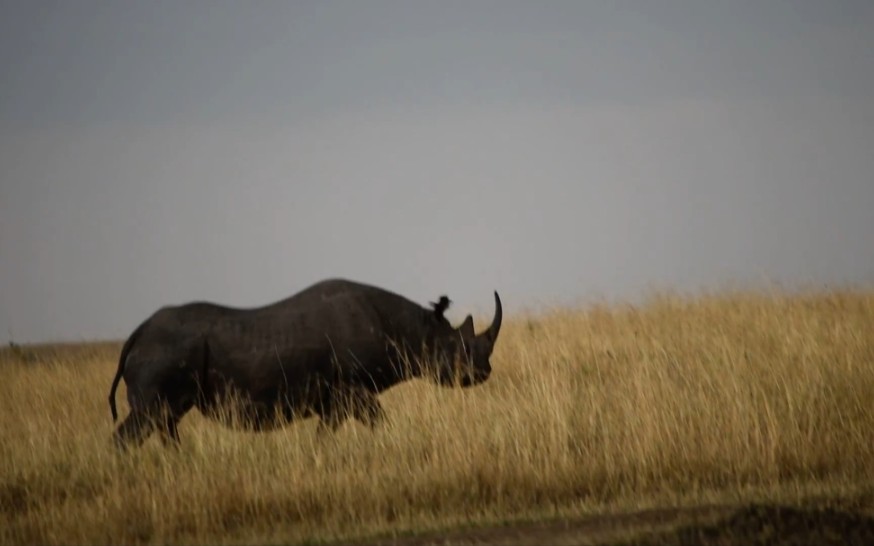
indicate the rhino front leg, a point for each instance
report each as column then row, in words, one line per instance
column 333, row 413
column 366, row 408
column 346, row 402
column 330, row 422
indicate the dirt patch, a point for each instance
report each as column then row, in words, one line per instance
column 706, row 525
column 591, row 530
column 762, row 524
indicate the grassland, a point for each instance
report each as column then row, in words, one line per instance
column 678, row 401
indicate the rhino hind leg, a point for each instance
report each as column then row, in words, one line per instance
column 139, row 425
column 171, row 412
column 146, row 417
column 134, row 430
column 169, row 431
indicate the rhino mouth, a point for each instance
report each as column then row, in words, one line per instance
column 475, row 378
column 464, row 379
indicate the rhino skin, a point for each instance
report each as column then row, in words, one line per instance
column 327, row 351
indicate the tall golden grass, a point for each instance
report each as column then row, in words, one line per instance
column 675, row 400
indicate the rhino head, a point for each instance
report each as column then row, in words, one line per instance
column 461, row 357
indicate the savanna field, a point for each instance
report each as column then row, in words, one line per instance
column 680, row 401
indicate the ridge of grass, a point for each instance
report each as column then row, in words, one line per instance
column 715, row 398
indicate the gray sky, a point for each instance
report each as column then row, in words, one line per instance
column 166, row 151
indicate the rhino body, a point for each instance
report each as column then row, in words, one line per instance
column 327, row 351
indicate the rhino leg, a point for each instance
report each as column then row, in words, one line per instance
column 331, row 416
column 330, row 422
column 134, row 430
column 139, row 425
column 170, row 433
column 153, row 410
column 356, row 402
column 173, row 409
column 366, row 408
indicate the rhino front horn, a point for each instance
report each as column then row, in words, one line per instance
column 492, row 333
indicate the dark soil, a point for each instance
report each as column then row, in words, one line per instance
column 763, row 524
column 706, row 525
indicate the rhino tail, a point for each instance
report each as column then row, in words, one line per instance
column 125, row 350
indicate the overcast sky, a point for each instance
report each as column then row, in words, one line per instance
column 158, row 152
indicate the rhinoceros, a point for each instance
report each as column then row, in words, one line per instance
column 327, row 351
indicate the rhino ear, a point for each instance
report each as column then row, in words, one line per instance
column 466, row 328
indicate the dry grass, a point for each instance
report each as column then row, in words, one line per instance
column 678, row 400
